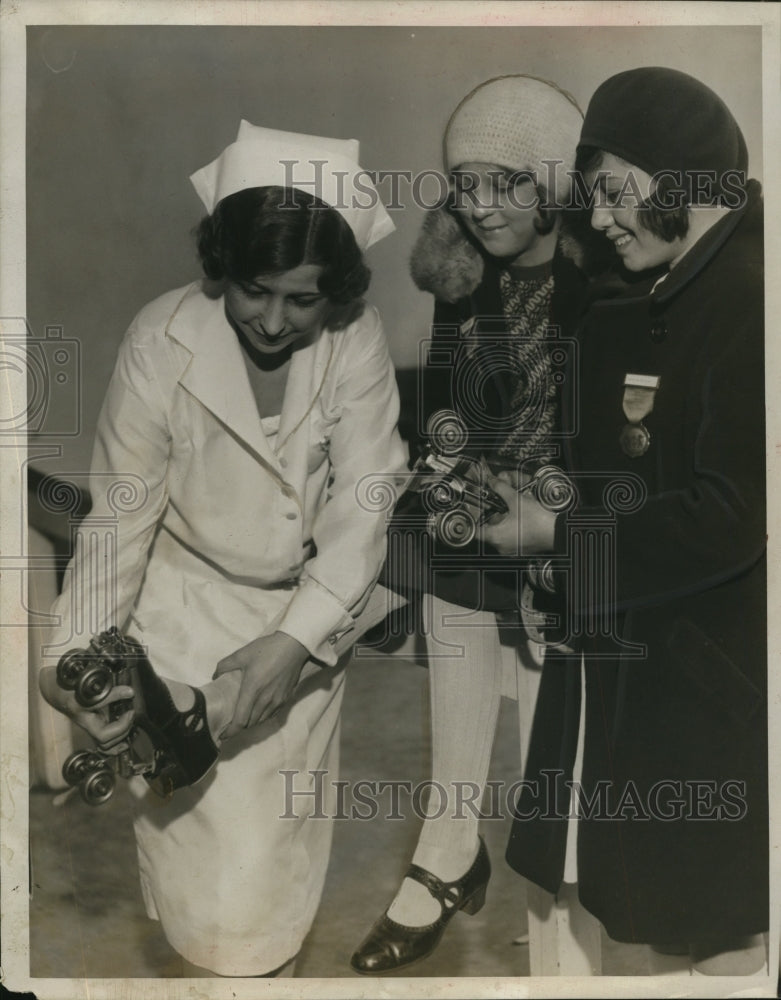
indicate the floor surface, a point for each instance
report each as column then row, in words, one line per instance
column 87, row 918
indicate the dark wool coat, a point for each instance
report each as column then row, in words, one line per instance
column 465, row 285
column 675, row 759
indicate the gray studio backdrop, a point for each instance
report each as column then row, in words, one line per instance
column 119, row 117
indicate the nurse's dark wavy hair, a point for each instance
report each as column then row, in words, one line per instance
column 269, row 230
column 668, row 223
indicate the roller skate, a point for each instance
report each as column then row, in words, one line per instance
column 448, row 481
column 168, row 748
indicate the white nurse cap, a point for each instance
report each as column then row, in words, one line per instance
column 326, row 168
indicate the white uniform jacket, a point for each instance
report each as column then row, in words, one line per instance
column 182, row 467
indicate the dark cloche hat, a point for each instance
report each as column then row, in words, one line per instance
column 661, row 119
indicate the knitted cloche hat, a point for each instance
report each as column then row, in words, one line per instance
column 519, row 122
column 661, row 119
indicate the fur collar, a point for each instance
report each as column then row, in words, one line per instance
column 445, row 262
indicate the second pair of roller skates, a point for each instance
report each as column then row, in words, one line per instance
column 449, row 483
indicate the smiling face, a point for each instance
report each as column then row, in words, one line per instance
column 617, row 214
column 274, row 312
column 501, row 216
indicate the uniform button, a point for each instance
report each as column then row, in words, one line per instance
column 291, row 515
column 283, row 462
column 658, row 332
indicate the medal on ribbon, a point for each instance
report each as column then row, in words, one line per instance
column 639, row 397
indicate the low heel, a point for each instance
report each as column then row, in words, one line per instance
column 475, row 903
column 390, row 946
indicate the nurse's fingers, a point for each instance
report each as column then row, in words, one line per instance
column 102, row 731
column 265, row 712
column 266, row 705
column 229, row 663
column 122, row 692
column 245, row 703
column 263, row 692
column 277, row 700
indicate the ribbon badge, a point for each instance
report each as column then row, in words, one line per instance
column 639, row 397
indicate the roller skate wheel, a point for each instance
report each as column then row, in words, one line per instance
column 80, row 764
column 94, row 685
column 447, row 432
column 456, row 528
column 541, row 577
column 70, row 667
column 98, row 787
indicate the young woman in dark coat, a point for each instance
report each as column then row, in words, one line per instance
column 663, row 559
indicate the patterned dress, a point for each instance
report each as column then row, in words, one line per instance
column 526, row 300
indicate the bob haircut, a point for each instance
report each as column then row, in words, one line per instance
column 666, row 223
column 269, row 230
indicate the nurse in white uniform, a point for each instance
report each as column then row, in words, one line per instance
column 228, row 537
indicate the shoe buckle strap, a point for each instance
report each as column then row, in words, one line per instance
column 447, row 894
column 195, row 719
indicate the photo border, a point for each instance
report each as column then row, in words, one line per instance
column 14, row 817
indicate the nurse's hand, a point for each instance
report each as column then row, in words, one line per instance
column 270, row 667
column 526, row 529
column 94, row 721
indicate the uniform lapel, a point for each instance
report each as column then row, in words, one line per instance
column 216, row 375
column 308, row 368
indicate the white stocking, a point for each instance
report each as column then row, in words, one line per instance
column 465, row 681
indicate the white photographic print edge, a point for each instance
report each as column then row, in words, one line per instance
column 568, row 36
